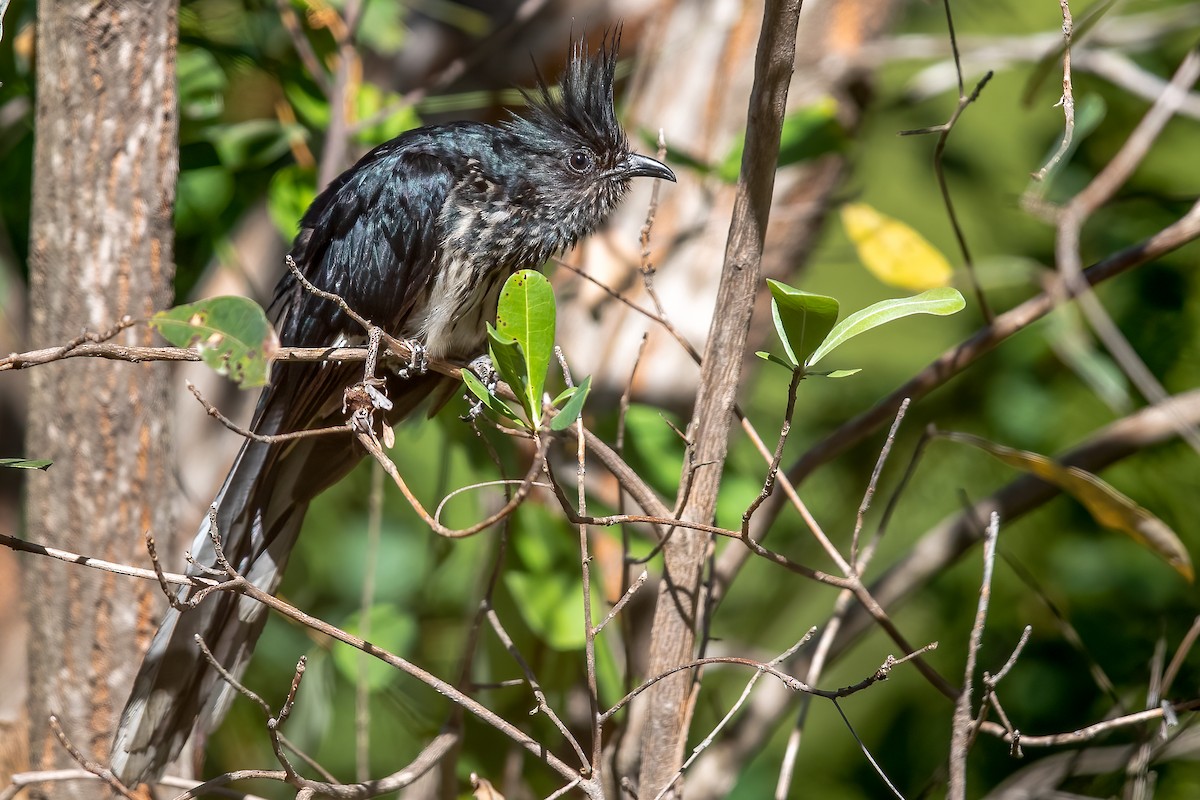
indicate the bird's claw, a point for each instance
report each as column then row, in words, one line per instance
column 362, row 400
column 418, row 361
column 483, row 368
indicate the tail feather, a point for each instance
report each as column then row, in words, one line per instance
column 176, row 687
column 259, row 512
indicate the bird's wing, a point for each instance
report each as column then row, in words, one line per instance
column 372, row 239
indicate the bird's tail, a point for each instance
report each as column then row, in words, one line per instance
column 258, row 521
column 258, row 514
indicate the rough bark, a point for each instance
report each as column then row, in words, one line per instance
column 665, row 732
column 101, row 247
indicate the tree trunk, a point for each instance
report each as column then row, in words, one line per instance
column 100, row 247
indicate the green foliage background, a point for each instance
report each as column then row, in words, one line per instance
column 237, row 66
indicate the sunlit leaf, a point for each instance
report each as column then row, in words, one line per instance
column 570, row 412
column 802, row 319
column 526, row 314
column 290, row 193
column 1106, row 505
column 939, row 302
column 892, row 251
column 231, row 334
column 551, row 605
column 25, row 463
column 371, row 102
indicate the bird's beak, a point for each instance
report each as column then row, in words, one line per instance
column 639, row 166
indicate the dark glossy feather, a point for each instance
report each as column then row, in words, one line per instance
column 417, row 237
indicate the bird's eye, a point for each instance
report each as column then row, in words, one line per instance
column 580, row 162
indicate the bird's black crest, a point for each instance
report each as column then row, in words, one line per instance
column 583, row 104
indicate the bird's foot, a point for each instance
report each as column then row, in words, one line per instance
column 418, row 360
column 362, row 400
column 483, row 368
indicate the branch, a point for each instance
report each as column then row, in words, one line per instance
column 675, row 611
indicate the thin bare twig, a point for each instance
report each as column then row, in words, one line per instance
column 1090, row 732
column 961, row 735
column 99, row 770
column 543, row 705
column 1072, row 217
column 1068, row 97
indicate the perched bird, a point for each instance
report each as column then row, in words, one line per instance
column 417, row 237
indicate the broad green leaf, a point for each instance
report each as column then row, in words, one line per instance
column 892, row 251
column 802, row 319
column 940, row 302
column 842, row 373
column 25, row 463
column 526, row 313
column 570, row 412
column 551, row 605
column 510, row 364
column 310, row 106
column 390, row 629
column 231, row 334
column 1106, row 505
column 493, row 407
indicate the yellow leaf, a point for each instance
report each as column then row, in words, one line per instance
column 1106, row 505
column 892, row 251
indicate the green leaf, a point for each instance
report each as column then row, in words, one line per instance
column 774, row 359
column 201, row 82
column 839, row 373
column 574, row 407
column 1106, row 505
column 941, row 302
column 25, row 463
column 807, row 132
column 493, row 407
column 231, row 334
column 802, row 319
column 371, row 100
column 509, row 361
column 526, row 314
column 390, row 629
column 252, row 143
column 551, row 605
column 564, row 395
column 290, row 193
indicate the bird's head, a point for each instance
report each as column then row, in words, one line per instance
column 578, row 158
